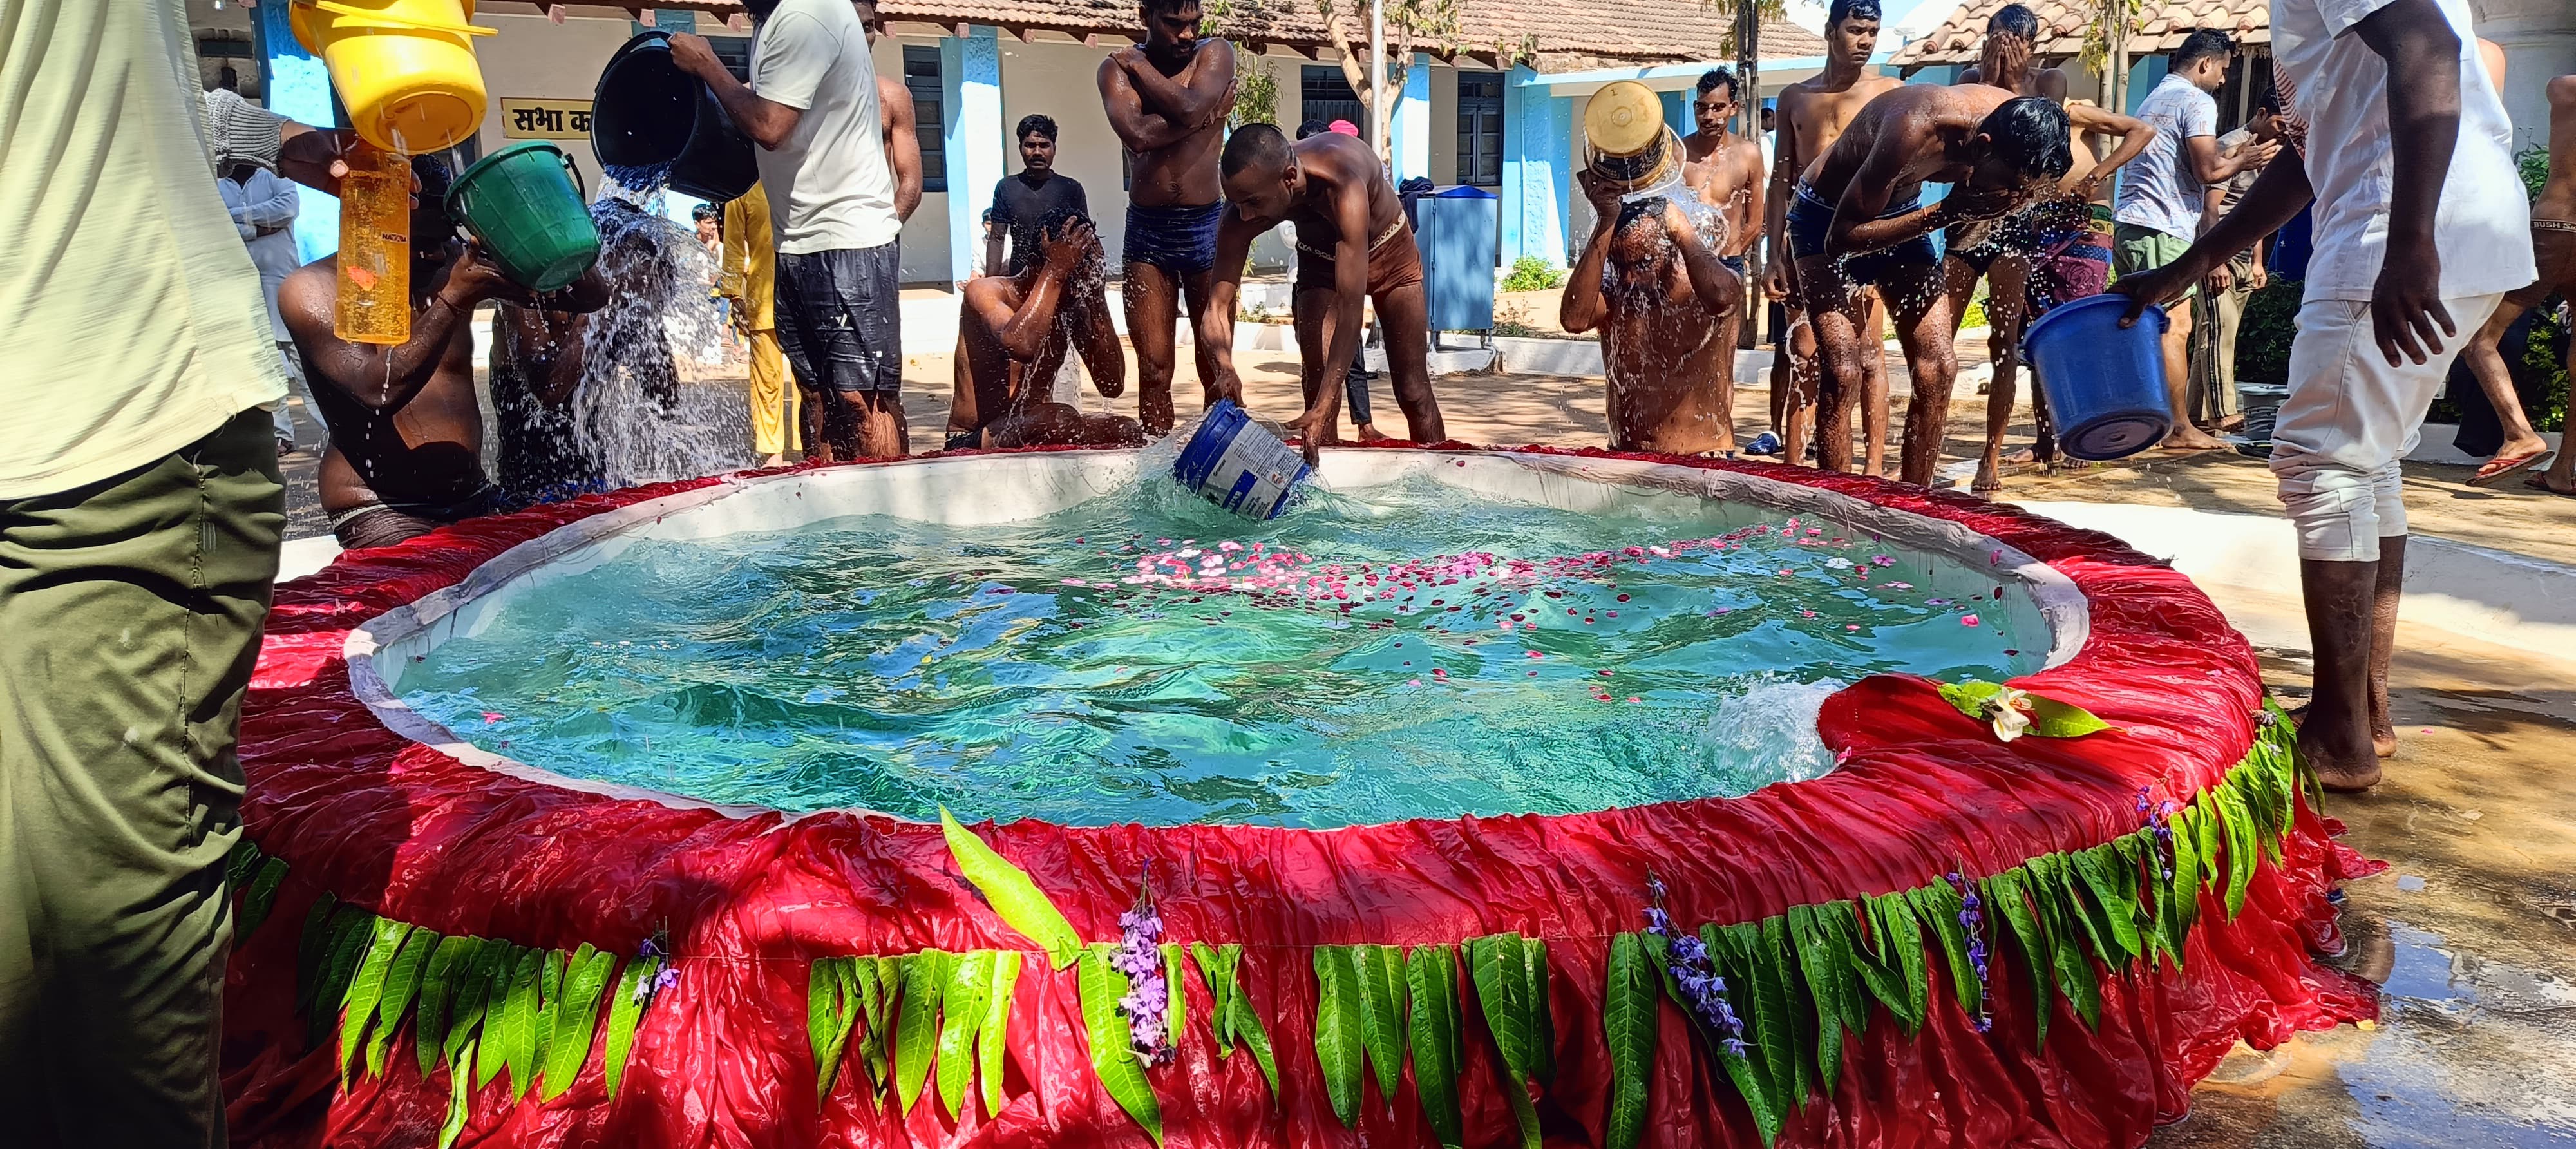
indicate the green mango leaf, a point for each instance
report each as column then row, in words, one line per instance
column 2058, row 892
column 916, row 1026
column 353, row 932
column 1215, row 970
column 2182, row 886
column 585, row 975
column 880, row 985
column 1176, row 1005
column 1730, row 958
column 1876, row 963
column 402, row 984
column 1340, row 1036
column 358, row 1007
column 827, row 1013
column 1121, row 1075
column 2212, row 824
column 1826, row 987
column 1499, row 965
column 2240, row 848
column 1970, row 697
column 438, row 986
column 625, row 1009
column 259, row 897
column 1382, row 1019
column 1905, row 937
column 313, row 951
column 1247, row 1027
column 1778, row 961
column 1629, row 1020
column 2068, row 910
column 239, row 862
column 2007, row 898
column 1012, row 894
column 1537, row 1006
column 473, row 1000
column 484, row 1026
column 1937, row 906
column 454, row 1126
column 2050, row 718
column 961, row 1005
column 1732, row 952
column 550, row 979
column 518, row 1018
column 2112, row 879
column 1436, row 1037
column 991, row 1037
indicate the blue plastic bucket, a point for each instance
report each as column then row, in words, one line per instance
column 2105, row 384
column 1238, row 465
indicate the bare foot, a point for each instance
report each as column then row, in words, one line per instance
column 2345, row 770
column 1986, row 480
column 2189, row 438
column 1369, row 433
column 773, row 461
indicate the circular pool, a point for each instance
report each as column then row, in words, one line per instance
column 677, row 756
column 1430, row 638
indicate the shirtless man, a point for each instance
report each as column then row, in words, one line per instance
column 1353, row 247
column 538, row 359
column 1667, row 309
column 895, row 117
column 1813, row 114
column 1167, row 99
column 2042, row 263
column 1724, row 168
column 1017, row 329
column 406, row 454
column 1859, row 220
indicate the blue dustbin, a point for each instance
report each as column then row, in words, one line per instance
column 1460, row 233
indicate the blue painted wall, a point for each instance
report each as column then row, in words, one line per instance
column 970, row 74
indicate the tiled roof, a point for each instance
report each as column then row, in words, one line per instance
column 1567, row 34
column 2062, row 23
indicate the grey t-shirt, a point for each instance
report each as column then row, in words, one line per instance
column 2158, row 189
column 830, row 188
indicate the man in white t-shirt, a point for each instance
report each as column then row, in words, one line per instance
column 2420, row 229
column 812, row 107
column 2158, row 214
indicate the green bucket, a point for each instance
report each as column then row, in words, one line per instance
column 526, row 205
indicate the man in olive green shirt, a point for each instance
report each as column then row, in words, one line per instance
column 140, row 511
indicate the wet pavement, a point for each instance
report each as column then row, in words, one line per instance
column 2471, row 932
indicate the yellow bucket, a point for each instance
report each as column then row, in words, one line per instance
column 405, row 68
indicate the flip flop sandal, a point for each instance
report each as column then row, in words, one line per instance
column 2542, row 485
column 2499, row 469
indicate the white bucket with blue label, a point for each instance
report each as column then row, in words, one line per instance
column 1238, row 464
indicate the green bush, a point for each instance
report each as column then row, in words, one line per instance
column 1530, row 273
column 2263, row 335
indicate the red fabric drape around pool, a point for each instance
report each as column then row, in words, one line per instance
column 722, row 1059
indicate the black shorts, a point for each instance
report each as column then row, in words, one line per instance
column 840, row 320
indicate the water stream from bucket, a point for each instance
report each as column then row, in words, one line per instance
column 635, row 412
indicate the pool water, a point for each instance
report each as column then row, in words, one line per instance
column 1408, row 650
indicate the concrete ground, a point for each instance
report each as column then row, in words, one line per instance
column 2472, row 931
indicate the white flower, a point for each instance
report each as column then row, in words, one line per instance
column 2010, row 712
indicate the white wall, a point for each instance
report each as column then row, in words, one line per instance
column 923, row 246
column 534, row 57
column 1444, row 125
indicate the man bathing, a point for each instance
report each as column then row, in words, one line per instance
column 1352, row 248
column 1667, row 308
column 1813, row 113
column 2041, row 256
column 1724, row 168
column 1167, row 99
column 406, row 454
column 1017, row 329
column 1859, row 221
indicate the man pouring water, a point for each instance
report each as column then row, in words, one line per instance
column 812, row 107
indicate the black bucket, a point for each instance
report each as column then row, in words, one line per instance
column 648, row 112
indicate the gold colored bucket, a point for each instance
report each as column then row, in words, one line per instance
column 1626, row 141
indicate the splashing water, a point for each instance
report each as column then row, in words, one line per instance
column 635, row 412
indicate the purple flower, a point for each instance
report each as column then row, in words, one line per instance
column 2160, row 819
column 1702, row 990
column 1972, row 919
column 1140, row 956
